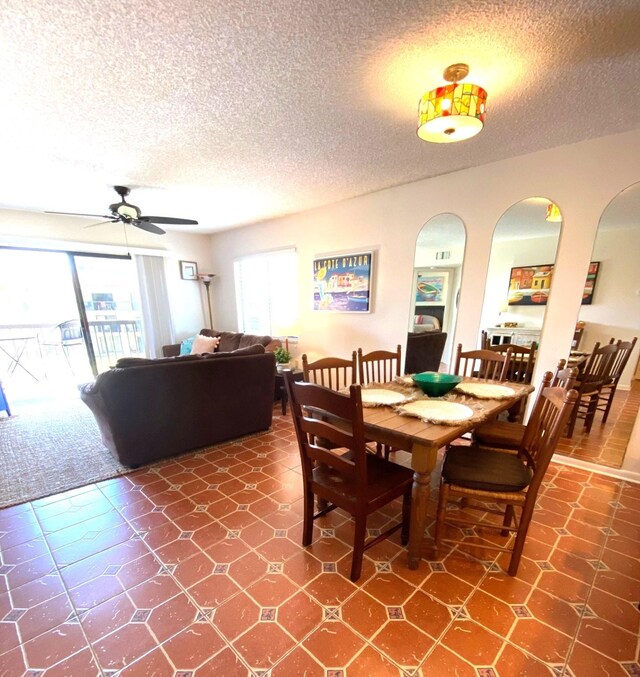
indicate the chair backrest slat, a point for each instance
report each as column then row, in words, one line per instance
column 521, row 363
column 327, row 423
column 625, row 348
column 547, row 422
column 564, row 377
column 599, row 364
column 335, row 373
column 486, row 364
column 379, row 366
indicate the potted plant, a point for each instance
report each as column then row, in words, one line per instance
column 283, row 357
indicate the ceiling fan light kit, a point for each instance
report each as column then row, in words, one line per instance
column 126, row 213
column 452, row 112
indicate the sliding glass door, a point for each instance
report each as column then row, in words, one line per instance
column 64, row 318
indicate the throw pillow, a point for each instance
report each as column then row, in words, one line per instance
column 204, row 344
column 185, row 346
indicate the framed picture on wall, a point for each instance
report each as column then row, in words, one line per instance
column 430, row 287
column 530, row 285
column 590, row 284
column 342, row 283
column 188, row 270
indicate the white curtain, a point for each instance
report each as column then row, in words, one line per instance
column 154, row 299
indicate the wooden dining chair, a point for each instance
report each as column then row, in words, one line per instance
column 482, row 363
column 507, row 436
column 480, row 477
column 345, row 475
column 609, row 387
column 332, row 372
column 521, row 363
column 379, row 366
column 595, row 374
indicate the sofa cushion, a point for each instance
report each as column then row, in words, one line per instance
column 254, row 349
column 185, row 346
column 251, row 340
column 204, row 344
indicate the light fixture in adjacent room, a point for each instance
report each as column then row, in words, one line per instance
column 553, row 213
column 452, row 112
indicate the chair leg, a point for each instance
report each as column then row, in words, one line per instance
column 358, row 546
column 572, row 418
column 518, row 546
column 406, row 516
column 612, row 392
column 442, row 507
column 307, row 530
column 591, row 412
column 508, row 518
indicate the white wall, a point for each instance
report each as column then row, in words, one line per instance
column 186, row 297
column 581, row 178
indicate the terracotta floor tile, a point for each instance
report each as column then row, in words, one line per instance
column 74, row 552
column 278, row 549
column 333, row 644
column 563, row 586
column 553, row 611
column 472, row 642
column 25, row 552
column 247, row 569
column 44, row 617
column 622, row 563
column 193, row 569
column 302, row 567
column 618, row 585
column 365, row 615
column 441, row 661
column 225, row 663
column 170, row 617
column 272, row 590
column 330, row 589
column 19, row 574
column 371, row 662
column 585, row 661
column 491, row 613
column 37, row 591
column 447, row 588
column 54, row 646
column 9, row 637
column 213, row 590
column 227, row 550
column 299, row 615
column 403, row 642
column 153, row 663
column 125, row 645
column 513, row 661
column 299, row 662
column 263, row 645
column 236, row 616
column 624, row 614
column 542, row 641
column 193, row 647
column 104, row 618
column 602, row 636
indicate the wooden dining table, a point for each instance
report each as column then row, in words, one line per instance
column 423, row 440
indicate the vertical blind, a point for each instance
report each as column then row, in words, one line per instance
column 266, row 292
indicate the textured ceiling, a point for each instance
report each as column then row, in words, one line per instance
column 236, row 111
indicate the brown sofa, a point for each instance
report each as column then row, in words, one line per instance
column 229, row 340
column 152, row 409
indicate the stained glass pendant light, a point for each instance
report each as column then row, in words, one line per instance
column 452, row 112
column 553, row 213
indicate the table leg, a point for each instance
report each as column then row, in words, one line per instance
column 423, row 461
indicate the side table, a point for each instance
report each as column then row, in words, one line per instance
column 281, row 390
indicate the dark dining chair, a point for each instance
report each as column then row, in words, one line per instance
column 424, row 351
column 379, row 366
column 343, row 475
column 484, row 480
column 507, row 436
column 483, row 363
column 595, row 374
column 609, row 387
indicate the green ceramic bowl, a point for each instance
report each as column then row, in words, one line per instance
column 435, row 384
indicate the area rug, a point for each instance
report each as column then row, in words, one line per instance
column 48, row 449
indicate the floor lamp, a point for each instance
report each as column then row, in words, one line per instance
column 206, row 279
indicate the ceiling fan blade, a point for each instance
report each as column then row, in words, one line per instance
column 169, row 220
column 97, row 216
column 91, row 225
column 149, row 227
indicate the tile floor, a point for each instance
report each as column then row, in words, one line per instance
column 194, row 567
column 606, row 443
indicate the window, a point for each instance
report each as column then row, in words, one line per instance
column 267, row 292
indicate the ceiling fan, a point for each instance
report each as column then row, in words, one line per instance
column 124, row 212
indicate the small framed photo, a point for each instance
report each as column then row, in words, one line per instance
column 188, row 270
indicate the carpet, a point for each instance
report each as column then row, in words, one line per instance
column 48, row 449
